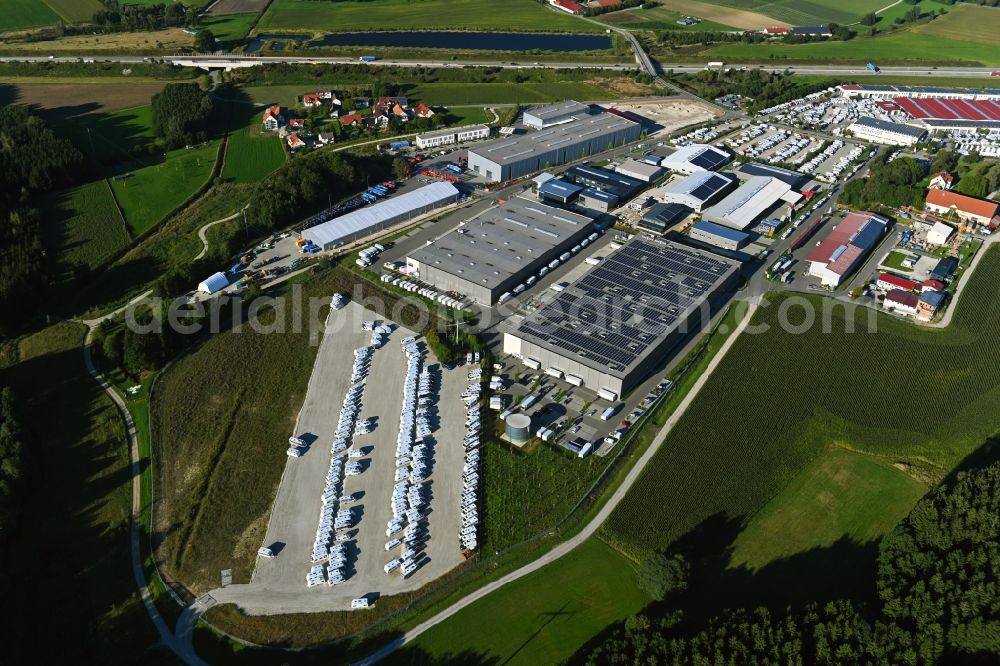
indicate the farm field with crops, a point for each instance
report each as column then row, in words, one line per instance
column 21, row 14
column 251, row 153
column 83, row 225
column 75, row 11
column 821, row 388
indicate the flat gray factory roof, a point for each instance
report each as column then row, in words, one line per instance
column 612, row 317
column 507, row 150
column 750, row 200
column 570, row 106
column 490, row 247
column 886, row 126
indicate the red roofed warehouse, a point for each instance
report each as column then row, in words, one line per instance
column 888, row 282
column 902, row 302
column 568, row 6
column 842, row 252
column 969, row 209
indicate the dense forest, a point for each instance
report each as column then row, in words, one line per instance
column 938, row 583
column 976, row 177
column 180, row 114
column 11, row 463
column 32, row 161
column 888, row 184
column 133, row 17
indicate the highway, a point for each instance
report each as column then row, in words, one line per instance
column 237, row 61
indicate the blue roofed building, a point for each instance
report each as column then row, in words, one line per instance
column 718, row 235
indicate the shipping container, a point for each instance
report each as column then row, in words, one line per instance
column 607, row 394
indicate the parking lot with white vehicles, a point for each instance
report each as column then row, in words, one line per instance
column 360, row 436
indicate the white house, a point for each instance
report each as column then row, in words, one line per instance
column 939, row 233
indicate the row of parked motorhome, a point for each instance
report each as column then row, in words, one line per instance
column 468, row 530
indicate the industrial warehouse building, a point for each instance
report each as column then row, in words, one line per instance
column 540, row 117
column 792, row 178
column 751, row 200
column 611, row 327
column 662, row 216
column 919, row 92
column 843, row 251
column 643, row 171
column 718, row 235
column 498, row 249
column 559, row 191
column 695, row 157
column 598, row 200
column 455, row 135
column 370, row 219
column 597, row 178
column 699, row 190
column 885, row 132
column 518, row 155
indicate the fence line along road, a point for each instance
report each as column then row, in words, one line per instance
column 588, row 531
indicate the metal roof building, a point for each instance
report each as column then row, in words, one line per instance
column 793, row 178
column 597, row 200
column 540, row 117
column 558, row 190
column 883, row 131
column 643, row 171
column 750, row 202
column 918, row 92
column 842, row 251
column 621, row 186
column 384, row 214
column 716, row 234
column 498, row 249
column 613, row 325
column 699, row 190
column 660, row 217
column 518, row 155
column 695, row 157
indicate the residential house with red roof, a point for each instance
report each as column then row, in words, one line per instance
column 776, row 31
column 295, row 142
column 970, row 209
column 942, row 180
column 296, row 123
column 311, row 100
column 351, row 120
column 567, row 6
column 273, row 118
column 844, row 249
column 422, row 111
column 901, row 302
column 932, row 285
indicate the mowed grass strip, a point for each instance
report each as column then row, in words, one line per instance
column 110, row 137
column 83, row 225
column 821, row 388
column 516, row 15
column 146, row 195
column 76, row 11
column 542, row 618
column 965, row 23
column 840, row 494
column 21, row 14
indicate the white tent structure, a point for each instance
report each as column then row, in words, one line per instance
column 213, row 283
column 381, row 215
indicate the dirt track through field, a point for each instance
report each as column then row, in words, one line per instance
column 738, row 18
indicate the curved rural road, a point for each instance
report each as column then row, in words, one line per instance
column 588, row 531
column 183, row 649
column 205, row 228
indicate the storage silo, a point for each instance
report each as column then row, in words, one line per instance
column 518, row 428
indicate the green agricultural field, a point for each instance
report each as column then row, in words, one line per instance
column 75, row 11
column 146, row 195
column 962, row 36
column 807, row 12
column 518, row 15
column 926, row 398
column 83, row 225
column 251, row 154
column 21, row 14
column 840, row 496
column 542, row 618
column 230, row 29
column 80, row 495
column 110, row 137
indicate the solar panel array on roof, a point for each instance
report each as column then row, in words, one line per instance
column 622, row 309
column 709, row 160
column 793, row 178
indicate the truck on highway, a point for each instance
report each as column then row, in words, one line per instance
column 872, row 67
column 718, row 64
column 367, row 59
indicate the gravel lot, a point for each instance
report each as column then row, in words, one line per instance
column 278, row 585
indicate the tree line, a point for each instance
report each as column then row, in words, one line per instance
column 975, row 176
column 891, row 184
column 12, row 464
column 765, row 89
column 33, row 161
column 938, row 585
column 134, row 17
column 181, row 114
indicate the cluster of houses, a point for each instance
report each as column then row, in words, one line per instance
column 572, row 7
column 360, row 112
column 922, row 300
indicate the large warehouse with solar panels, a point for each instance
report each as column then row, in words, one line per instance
column 611, row 327
column 498, row 249
column 694, row 158
column 518, row 155
column 699, row 190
